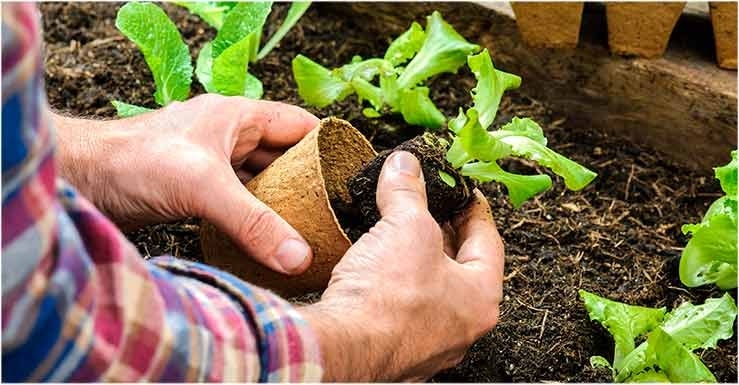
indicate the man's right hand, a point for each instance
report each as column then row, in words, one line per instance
column 404, row 304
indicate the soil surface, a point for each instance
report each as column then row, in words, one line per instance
column 619, row 237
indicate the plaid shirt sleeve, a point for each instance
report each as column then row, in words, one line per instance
column 80, row 304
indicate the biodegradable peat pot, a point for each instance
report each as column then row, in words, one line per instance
column 641, row 28
column 300, row 186
column 723, row 18
column 549, row 24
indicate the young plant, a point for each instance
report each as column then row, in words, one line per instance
column 391, row 84
column 475, row 150
column 474, row 153
column 667, row 354
column 222, row 64
column 711, row 253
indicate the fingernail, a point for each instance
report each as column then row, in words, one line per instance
column 406, row 163
column 292, row 254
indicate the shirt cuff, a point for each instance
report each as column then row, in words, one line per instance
column 288, row 348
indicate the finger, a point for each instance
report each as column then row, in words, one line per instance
column 256, row 228
column 260, row 158
column 280, row 125
column 400, row 187
column 477, row 237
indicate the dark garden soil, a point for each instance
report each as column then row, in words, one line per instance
column 619, row 237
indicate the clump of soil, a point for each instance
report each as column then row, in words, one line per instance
column 444, row 200
column 619, row 237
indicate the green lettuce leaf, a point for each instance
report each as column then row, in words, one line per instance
column 317, row 85
column 477, row 142
column 391, row 91
column 160, row 42
column 491, row 84
column 600, row 362
column 702, row 326
column 520, row 187
column 370, row 113
column 297, row 9
column 443, row 50
column 711, row 254
column 244, row 19
column 650, row 377
column 667, row 352
column 675, row 361
column 624, row 322
column 575, row 176
column 125, row 110
column 363, row 69
column 212, row 12
column 727, row 175
column 418, row 109
column 366, row 91
column 204, row 68
column 229, row 71
column 253, row 88
column 634, row 364
column 406, row 45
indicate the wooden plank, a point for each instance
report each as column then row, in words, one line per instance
column 682, row 105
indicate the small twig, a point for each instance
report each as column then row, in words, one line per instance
column 680, row 289
column 527, row 306
column 620, row 217
column 553, row 347
column 628, row 183
column 517, row 225
column 543, row 323
column 511, row 275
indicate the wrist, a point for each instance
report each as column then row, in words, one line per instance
column 77, row 141
column 353, row 347
column 87, row 153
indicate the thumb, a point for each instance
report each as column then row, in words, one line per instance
column 257, row 229
column 401, row 188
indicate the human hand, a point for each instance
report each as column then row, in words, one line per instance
column 183, row 160
column 398, row 307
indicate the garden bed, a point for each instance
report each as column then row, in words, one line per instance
column 619, row 237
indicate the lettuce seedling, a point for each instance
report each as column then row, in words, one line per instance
column 222, row 64
column 711, row 253
column 166, row 55
column 667, row 354
column 392, row 83
column 475, row 150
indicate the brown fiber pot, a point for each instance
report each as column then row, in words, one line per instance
column 549, row 24
column 723, row 18
column 299, row 186
column 641, row 28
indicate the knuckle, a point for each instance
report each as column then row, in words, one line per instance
column 257, row 226
column 405, row 185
